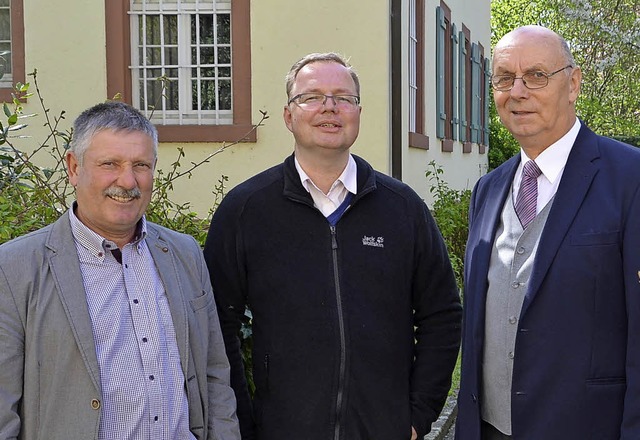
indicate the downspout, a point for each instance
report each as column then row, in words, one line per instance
column 396, row 89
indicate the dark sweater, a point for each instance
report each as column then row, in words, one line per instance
column 356, row 328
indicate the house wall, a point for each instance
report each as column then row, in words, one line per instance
column 65, row 42
column 282, row 32
column 461, row 170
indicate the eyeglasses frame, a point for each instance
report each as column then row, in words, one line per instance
column 547, row 75
column 324, row 102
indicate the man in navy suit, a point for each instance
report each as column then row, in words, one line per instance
column 551, row 342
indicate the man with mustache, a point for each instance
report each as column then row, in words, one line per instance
column 550, row 346
column 356, row 313
column 108, row 326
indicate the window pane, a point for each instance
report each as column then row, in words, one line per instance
column 208, row 72
column 206, row 29
column 4, row 3
column 5, row 25
column 5, row 60
column 171, row 56
column 171, row 95
column 171, row 74
column 224, row 55
column 207, row 55
column 224, row 28
column 153, row 29
column 154, row 94
column 153, row 56
column 207, row 95
column 224, row 72
column 170, row 29
column 225, row 94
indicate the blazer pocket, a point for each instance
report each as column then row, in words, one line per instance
column 201, row 301
column 595, row 238
column 616, row 380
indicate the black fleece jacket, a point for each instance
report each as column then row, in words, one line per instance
column 356, row 327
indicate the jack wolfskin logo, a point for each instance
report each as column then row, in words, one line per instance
column 373, row 241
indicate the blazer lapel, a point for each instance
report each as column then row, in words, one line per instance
column 63, row 261
column 497, row 194
column 486, row 219
column 163, row 258
column 578, row 174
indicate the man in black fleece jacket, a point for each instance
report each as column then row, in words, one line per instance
column 356, row 314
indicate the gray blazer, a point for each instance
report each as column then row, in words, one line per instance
column 49, row 376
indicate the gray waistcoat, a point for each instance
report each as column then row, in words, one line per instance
column 510, row 267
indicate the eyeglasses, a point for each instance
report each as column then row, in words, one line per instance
column 531, row 80
column 314, row 101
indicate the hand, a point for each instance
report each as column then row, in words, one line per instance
column 414, row 434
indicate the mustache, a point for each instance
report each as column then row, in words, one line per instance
column 115, row 191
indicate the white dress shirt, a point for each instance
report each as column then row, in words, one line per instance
column 346, row 183
column 551, row 162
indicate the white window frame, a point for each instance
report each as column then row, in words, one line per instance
column 186, row 10
column 413, row 69
column 7, row 80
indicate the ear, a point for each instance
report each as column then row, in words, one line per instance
column 574, row 83
column 288, row 118
column 73, row 167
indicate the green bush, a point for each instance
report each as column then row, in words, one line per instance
column 450, row 210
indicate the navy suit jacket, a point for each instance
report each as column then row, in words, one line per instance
column 576, row 372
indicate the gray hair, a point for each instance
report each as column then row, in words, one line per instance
column 319, row 57
column 110, row 115
column 566, row 50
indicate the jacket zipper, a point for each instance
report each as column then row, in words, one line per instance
column 343, row 354
column 266, row 371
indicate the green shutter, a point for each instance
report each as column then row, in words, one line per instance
column 440, row 36
column 487, row 89
column 475, row 93
column 462, row 86
column 454, row 88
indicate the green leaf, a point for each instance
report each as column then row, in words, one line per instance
column 12, row 119
column 7, row 112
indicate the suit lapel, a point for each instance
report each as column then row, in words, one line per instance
column 64, row 264
column 486, row 219
column 164, row 260
column 578, row 174
column 497, row 194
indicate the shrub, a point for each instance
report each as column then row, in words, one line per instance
column 450, row 210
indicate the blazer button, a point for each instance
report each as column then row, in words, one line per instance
column 95, row 404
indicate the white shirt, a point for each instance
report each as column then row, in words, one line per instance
column 551, row 162
column 346, row 183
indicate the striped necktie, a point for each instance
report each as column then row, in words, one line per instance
column 527, row 200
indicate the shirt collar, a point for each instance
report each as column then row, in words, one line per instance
column 554, row 158
column 349, row 176
column 96, row 243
